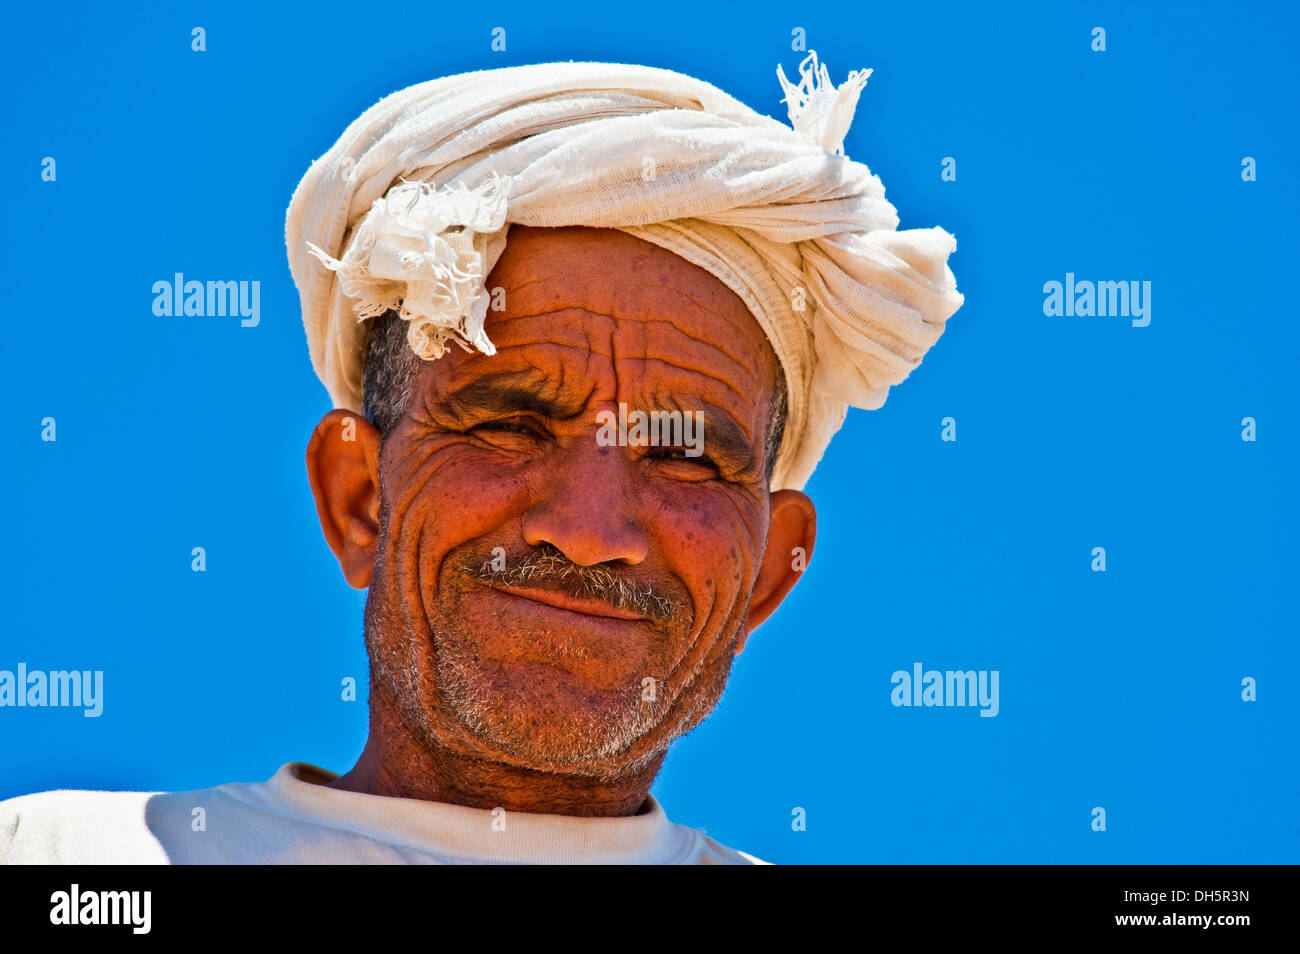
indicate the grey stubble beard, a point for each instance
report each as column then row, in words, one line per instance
column 590, row 745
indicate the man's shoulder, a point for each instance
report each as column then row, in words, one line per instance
column 71, row 826
column 233, row 823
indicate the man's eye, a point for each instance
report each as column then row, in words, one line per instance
column 679, row 453
column 513, row 427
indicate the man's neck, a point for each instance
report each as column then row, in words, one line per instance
column 394, row 765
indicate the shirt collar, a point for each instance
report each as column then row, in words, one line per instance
column 458, row 833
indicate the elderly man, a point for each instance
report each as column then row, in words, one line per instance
column 600, row 323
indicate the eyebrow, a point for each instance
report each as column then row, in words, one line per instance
column 724, row 439
column 504, row 394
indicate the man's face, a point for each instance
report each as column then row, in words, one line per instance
column 539, row 598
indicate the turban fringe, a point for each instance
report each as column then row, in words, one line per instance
column 803, row 235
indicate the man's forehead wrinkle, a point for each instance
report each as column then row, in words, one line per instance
column 650, row 367
column 682, row 329
column 532, row 329
column 743, row 389
column 513, row 315
column 685, row 325
column 518, row 283
column 739, row 321
column 655, row 311
column 701, row 372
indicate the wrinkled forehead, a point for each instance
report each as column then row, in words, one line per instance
column 580, row 303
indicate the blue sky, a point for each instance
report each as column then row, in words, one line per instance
column 1119, row 690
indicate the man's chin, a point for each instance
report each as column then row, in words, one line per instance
column 548, row 719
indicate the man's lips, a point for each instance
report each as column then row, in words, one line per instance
column 563, row 601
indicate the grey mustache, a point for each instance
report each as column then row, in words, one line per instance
column 549, row 569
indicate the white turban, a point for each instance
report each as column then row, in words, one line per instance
column 410, row 210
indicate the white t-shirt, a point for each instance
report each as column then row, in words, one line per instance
column 293, row 818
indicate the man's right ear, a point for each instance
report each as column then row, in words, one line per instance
column 343, row 467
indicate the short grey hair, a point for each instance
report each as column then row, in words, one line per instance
column 390, row 372
column 392, row 369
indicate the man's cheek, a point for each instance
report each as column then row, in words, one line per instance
column 712, row 543
column 719, row 584
column 463, row 490
column 451, row 499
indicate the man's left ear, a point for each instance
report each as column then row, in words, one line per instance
column 790, row 538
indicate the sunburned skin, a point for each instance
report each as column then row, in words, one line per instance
column 547, row 612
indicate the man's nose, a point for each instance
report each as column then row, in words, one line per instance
column 587, row 512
